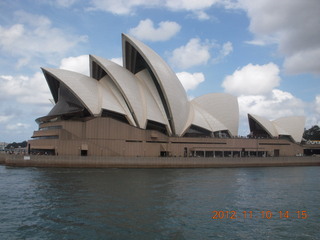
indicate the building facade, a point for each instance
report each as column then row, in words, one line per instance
column 141, row 109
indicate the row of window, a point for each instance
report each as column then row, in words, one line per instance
column 47, row 137
column 50, row 128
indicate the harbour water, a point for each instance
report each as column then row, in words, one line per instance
column 211, row 203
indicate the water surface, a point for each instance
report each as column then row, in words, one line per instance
column 62, row 203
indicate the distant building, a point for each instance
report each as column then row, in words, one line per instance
column 2, row 146
column 142, row 109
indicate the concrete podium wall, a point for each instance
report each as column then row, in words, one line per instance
column 154, row 162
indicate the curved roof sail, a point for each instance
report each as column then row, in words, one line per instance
column 146, row 93
column 112, row 100
column 292, row 127
column 223, row 107
column 201, row 118
column 127, row 85
column 83, row 87
column 136, row 57
column 264, row 123
column 154, row 108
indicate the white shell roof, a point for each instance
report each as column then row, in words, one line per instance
column 127, row 85
column 199, row 119
column 265, row 123
column 205, row 120
column 92, row 94
column 111, row 99
column 84, row 87
column 154, row 107
column 153, row 93
column 290, row 126
column 175, row 96
column 224, row 108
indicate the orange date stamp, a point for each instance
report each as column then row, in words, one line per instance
column 300, row 214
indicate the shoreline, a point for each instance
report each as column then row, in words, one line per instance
column 153, row 162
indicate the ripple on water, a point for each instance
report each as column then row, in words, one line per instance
column 40, row 203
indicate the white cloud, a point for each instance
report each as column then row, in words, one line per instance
column 122, row 7
column 5, row 118
column 253, row 79
column 314, row 113
column 117, row 61
column 227, row 48
column 127, row 7
column 317, row 104
column 17, row 126
column 201, row 15
column 61, row 3
column 190, row 5
column 198, row 7
column 274, row 105
column 303, row 61
column 255, row 86
column 293, row 25
column 193, row 54
column 197, row 52
column 34, row 37
column 190, row 80
column 23, row 98
column 65, row 3
column 24, row 89
column 78, row 64
column 146, row 30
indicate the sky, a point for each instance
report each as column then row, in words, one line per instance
column 265, row 52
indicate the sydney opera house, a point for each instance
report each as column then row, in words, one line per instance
column 141, row 109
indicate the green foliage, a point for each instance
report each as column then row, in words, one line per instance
column 17, row 145
column 312, row 134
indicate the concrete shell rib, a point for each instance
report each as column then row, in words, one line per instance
column 155, row 111
column 174, row 96
column 265, row 124
column 292, row 126
column 83, row 87
column 127, row 85
column 111, row 99
column 203, row 119
column 223, row 108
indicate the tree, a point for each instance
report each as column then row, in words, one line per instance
column 16, row 145
column 312, row 134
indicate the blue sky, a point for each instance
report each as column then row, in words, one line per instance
column 265, row 52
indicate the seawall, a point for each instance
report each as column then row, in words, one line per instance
column 153, row 162
column 2, row 158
